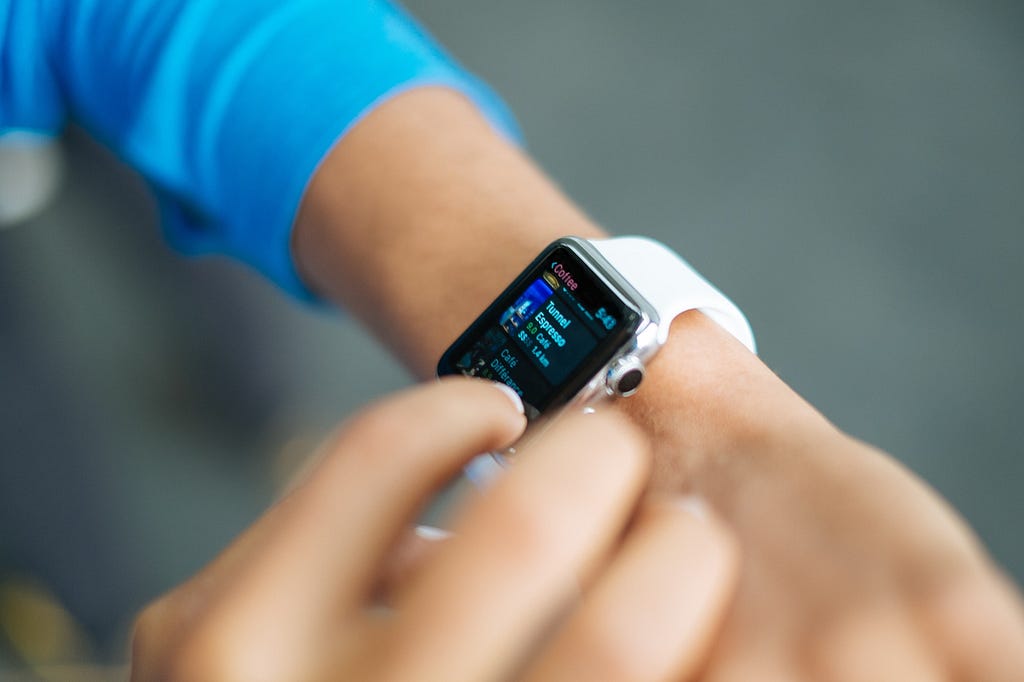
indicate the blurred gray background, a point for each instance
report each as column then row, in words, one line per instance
column 850, row 173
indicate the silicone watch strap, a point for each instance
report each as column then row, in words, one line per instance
column 671, row 285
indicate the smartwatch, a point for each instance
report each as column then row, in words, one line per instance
column 582, row 321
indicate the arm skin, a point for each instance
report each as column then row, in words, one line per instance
column 422, row 214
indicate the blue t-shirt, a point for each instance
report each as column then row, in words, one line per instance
column 225, row 106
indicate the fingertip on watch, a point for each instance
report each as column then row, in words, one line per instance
column 512, row 396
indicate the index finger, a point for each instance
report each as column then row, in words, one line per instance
column 319, row 549
column 514, row 561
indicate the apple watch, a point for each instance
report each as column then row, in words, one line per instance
column 582, row 321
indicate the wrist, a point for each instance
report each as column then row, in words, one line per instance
column 708, row 402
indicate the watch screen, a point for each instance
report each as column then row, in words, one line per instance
column 547, row 334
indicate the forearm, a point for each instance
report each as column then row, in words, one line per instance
column 422, row 214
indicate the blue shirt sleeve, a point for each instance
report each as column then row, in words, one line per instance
column 225, row 106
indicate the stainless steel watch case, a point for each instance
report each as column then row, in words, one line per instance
column 638, row 350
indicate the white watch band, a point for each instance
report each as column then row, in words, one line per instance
column 671, row 285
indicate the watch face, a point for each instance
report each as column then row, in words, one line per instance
column 547, row 334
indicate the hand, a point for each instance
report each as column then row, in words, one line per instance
column 294, row 598
column 853, row 570
column 847, row 558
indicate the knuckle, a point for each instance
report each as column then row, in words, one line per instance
column 165, row 647
column 204, row 654
column 147, row 630
column 174, row 641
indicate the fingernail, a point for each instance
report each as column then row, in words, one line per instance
column 432, row 533
column 694, row 506
column 512, row 395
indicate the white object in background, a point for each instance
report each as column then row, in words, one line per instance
column 31, row 168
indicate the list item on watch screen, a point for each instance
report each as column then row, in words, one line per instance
column 540, row 339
